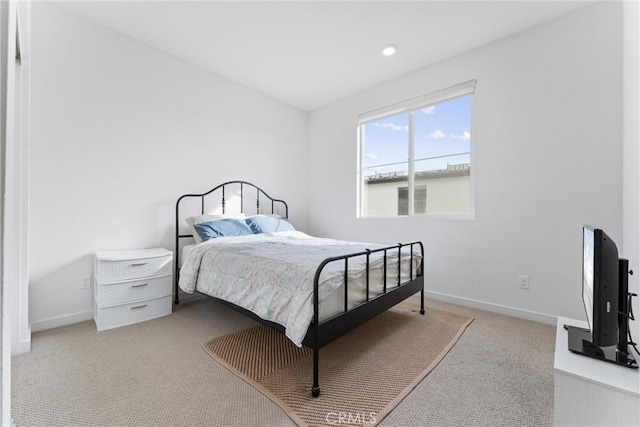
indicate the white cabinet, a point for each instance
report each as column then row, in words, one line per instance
column 590, row 392
column 131, row 286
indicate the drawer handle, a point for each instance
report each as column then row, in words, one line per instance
column 139, row 285
column 138, row 264
column 139, row 306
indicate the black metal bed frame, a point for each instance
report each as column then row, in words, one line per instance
column 323, row 332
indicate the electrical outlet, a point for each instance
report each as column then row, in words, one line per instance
column 523, row 282
column 85, row 282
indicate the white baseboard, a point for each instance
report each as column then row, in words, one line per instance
column 56, row 322
column 495, row 308
column 549, row 319
column 23, row 347
column 69, row 319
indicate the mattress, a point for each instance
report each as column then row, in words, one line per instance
column 334, row 303
column 272, row 275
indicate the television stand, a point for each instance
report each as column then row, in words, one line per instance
column 579, row 340
column 588, row 392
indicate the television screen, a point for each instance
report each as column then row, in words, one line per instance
column 587, row 273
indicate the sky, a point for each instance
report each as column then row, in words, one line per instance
column 442, row 129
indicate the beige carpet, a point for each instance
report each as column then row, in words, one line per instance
column 363, row 375
column 155, row 374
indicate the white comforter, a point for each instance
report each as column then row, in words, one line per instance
column 272, row 274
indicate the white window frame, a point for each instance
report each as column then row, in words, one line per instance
column 411, row 106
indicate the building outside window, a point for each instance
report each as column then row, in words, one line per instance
column 422, row 145
column 419, row 200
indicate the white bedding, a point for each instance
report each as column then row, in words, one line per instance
column 272, row 275
column 186, row 250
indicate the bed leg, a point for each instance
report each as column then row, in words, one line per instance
column 422, row 302
column 315, row 390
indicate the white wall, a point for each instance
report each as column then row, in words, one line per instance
column 119, row 131
column 631, row 150
column 547, row 156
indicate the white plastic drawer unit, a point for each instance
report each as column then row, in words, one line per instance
column 131, row 286
column 118, row 292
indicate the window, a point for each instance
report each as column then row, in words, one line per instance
column 417, row 148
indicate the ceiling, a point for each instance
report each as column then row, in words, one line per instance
column 313, row 53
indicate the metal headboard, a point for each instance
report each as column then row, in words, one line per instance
column 244, row 186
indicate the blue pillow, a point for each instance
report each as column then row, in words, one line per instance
column 268, row 224
column 222, row 228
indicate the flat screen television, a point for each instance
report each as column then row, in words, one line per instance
column 600, row 285
column 604, row 294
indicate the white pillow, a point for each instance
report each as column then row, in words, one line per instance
column 193, row 220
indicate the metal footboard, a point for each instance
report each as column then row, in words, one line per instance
column 321, row 333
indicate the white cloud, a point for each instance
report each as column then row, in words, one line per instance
column 437, row 134
column 465, row 135
column 429, row 110
column 393, row 126
column 372, row 156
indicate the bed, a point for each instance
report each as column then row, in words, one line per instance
column 311, row 289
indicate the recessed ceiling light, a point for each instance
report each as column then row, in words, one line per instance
column 389, row 49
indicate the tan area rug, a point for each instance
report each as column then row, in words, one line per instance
column 363, row 375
